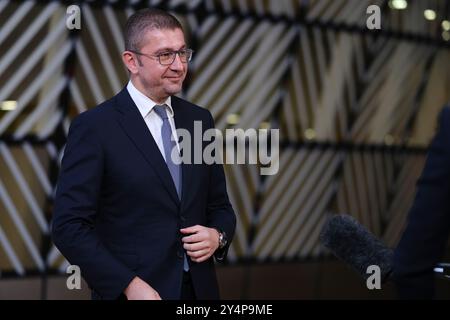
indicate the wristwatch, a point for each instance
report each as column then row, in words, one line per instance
column 222, row 239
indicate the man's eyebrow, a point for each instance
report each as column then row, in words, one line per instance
column 169, row 49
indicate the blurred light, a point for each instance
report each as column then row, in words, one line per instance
column 446, row 35
column 388, row 140
column 446, row 25
column 264, row 125
column 233, row 118
column 398, row 4
column 430, row 14
column 8, row 105
column 310, row 134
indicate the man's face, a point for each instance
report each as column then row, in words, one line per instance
column 161, row 81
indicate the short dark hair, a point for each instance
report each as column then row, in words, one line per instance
column 144, row 20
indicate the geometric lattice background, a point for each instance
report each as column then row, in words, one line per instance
column 356, row 110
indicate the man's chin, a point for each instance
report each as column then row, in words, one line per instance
column 173, row 90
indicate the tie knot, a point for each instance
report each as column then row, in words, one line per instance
column 161, row 111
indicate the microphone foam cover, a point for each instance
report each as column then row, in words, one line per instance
column 354, row 244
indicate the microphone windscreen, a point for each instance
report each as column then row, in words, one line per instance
column 351, row 242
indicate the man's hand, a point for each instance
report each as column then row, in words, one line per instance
column 138, row 289
column 201, row 243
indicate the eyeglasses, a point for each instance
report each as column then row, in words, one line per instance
column 167, row 58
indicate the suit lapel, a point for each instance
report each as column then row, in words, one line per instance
column 184, row 121
column 134, row 126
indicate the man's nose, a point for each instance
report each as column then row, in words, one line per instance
column 177, row 64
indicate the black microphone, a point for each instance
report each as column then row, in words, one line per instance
column 351, row 242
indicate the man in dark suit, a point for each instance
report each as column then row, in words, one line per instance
column 425, row 237
column 137, row 223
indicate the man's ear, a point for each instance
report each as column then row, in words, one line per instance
column 130, row 61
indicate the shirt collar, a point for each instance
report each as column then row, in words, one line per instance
column 144, row 103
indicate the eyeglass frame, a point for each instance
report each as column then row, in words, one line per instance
column 158, row 56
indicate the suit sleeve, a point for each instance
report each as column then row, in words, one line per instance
column 76, row 203
column 426, row 233
column 220, row 212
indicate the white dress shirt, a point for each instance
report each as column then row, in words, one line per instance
column 152, row 120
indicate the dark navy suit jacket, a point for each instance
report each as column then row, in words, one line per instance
column 117, row 214
column 425, row 237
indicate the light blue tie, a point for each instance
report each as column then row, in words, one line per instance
column 169, row 145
